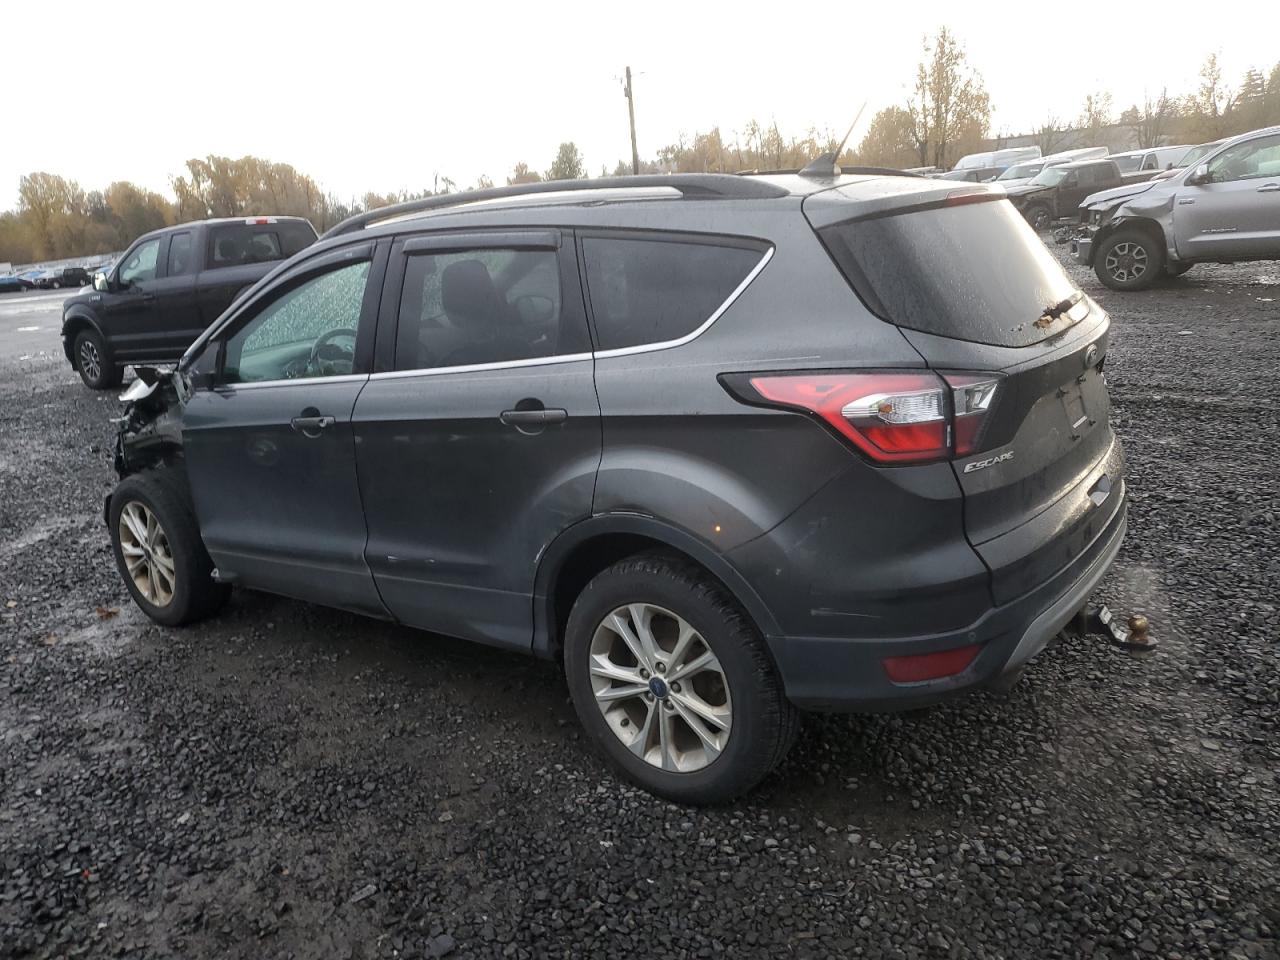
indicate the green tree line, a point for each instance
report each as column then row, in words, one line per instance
column 946, row 114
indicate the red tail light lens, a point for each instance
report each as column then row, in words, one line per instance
column 892, row 417
column 895, row 417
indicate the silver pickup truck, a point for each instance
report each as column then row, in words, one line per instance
column 1225, row 209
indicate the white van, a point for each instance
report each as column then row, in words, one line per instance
column 997, row 158
column 1153, row 158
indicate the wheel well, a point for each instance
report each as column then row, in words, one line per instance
column 1152, row 229
column 595, row 556
column 74, row 326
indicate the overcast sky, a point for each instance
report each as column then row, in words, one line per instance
column 375, row 96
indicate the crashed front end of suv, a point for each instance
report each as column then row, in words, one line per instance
column 149, row 433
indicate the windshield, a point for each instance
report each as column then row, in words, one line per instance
column 1020, row 171
column 1050, row 177
column 1129, row 164
column 1195, row 154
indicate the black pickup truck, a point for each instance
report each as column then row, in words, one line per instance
column 170, row 285
column 1057, row 192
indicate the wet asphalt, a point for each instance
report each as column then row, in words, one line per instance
column 291, row 781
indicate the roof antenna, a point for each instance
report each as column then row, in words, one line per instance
column 827, row 164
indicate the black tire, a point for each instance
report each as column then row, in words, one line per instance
column 1039, row 216
column 94, row 362
column 764, row 723
column 1129, row 259
column 1177, row 269
column 163, row 493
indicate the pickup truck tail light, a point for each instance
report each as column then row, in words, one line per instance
column 891, row 416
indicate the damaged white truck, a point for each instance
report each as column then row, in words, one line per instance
column 1225, row 209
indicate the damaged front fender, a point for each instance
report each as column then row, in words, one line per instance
column 150, row 430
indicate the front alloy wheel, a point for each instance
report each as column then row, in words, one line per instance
column 1130, row 259
column 1126, row 262
column 147, row 556
column 90, row 359
column 660, row 688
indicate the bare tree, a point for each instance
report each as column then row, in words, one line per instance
column 1150, row 122
column 1050, row 135
column 949, row 105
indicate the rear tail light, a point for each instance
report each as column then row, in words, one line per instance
column 892, row 417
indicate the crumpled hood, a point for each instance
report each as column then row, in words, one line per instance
column 1107, row 198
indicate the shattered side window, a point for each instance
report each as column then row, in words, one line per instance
column 308, row 331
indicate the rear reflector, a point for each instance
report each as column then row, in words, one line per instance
column 930, row 666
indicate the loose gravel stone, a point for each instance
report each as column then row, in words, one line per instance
column 290, row 781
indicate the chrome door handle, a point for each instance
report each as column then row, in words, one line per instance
column 311, row 426
column 1269, row 188
column 525, row 417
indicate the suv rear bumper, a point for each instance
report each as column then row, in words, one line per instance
column 842, row 675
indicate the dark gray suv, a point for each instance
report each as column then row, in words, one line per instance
column 730, row 447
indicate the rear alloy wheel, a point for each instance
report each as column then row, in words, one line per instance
column 1129, row 260
column 670, row 707
column 94, row 363
column 673, row 682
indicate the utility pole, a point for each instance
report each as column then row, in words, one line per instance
column 631, row 112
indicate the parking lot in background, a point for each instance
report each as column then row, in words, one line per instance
column 30, row 323
column 287, row 780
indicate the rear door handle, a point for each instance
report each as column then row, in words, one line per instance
column 1269, row 188
column 148, row 297
column 525, row 417
column 311, row 426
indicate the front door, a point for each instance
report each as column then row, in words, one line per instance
column 129, row 308
column 1235, row 213
column 479, row 439
column 269, row 447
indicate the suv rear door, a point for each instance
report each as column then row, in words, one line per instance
column 478, row 435
column 975, row 292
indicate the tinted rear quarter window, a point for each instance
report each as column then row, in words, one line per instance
column 972, row 272
column 654, row 290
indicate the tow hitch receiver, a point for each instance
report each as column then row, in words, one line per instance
column 1133, row 639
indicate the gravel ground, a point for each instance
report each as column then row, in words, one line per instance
column 289, row 781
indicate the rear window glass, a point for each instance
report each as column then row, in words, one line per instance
column 651, row 291
column 972, row 272
column 234, row 244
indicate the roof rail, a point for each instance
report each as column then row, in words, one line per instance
column 844, row 171
column 694, row 186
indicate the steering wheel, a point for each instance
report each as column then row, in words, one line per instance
column 323, row 349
